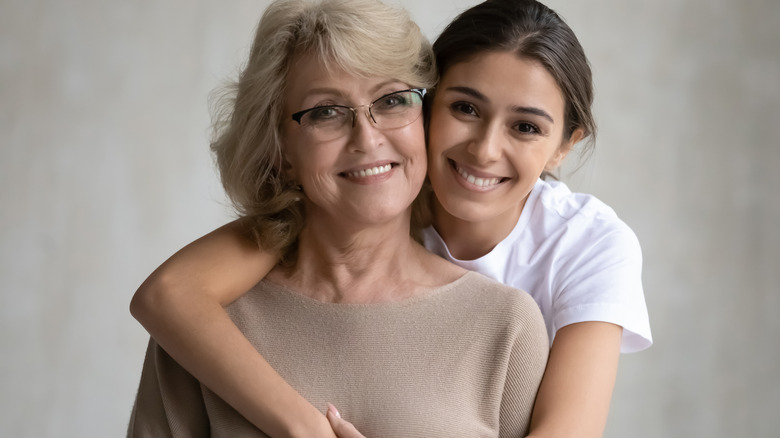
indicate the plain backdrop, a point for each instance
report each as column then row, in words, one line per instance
column 105, row 171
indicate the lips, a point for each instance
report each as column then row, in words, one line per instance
column 478, row 181
column 375, row 171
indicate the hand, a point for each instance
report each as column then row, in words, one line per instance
column 342, row 427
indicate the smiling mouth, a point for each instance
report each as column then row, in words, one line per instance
column 475, row 180
column 376, row 170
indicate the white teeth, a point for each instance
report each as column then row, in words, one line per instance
column 370, row 172
column 481, row 182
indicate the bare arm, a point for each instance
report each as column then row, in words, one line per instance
column 574, row 397
column 181, row 304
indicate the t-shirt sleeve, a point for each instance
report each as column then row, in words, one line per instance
column 169, row 401
column 527, row 361
column 600, row 279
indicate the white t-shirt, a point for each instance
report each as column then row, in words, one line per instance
column 576, row 259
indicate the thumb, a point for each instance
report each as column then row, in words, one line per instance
column 342, row 427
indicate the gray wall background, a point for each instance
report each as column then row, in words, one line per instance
column 105, row 172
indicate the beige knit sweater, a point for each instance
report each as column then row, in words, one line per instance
column 463, row 360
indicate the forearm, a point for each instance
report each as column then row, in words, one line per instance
column 575, row 394
column 204, row 340
column 181, row 305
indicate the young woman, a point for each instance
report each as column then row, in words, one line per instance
column 514, row 97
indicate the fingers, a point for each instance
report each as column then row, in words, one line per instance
column 342, row 427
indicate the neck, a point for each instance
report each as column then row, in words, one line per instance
column 375, row 263
column 469, row 240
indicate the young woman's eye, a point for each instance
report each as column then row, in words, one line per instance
column 464, row 108
column 527, row 128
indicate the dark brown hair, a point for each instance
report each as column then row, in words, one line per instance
column 530, row 30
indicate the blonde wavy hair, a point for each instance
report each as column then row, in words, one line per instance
column 362, row 37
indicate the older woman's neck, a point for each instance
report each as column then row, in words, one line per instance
column 362, row 267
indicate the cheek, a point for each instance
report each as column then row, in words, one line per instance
column 445, row 131
column 307, row 162
column 413, row 141
column 439, row 126
column 529, row 161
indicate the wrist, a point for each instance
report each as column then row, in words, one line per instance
column 312, row 428
column 308, row 423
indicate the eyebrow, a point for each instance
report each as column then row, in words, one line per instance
column 340, row 93
column 515, row 108
column 388, row 82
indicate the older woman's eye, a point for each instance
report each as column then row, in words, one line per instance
column 326, row 113
column 391, row 101
column 399, row 102
column 464, row 108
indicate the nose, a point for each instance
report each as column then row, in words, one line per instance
column 486, row 146
column 365, row 135
column 362, row 109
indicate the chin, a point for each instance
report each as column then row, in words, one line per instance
column 383, row 213
column 465, row 210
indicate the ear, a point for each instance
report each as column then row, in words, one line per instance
column 288, row 170
column 564, row 149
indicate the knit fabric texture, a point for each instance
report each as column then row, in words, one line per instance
column 462, row 360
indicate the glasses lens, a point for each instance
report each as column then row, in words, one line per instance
column 397, row 110
column 394, row 110
column 327, row 122
column 326, row 117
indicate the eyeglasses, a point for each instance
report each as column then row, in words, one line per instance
column 394, row 110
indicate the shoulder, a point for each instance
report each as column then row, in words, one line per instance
column 486, row 289
column 499, row 302
column 554, row 198
column 505, row 320
column 579, row 219
column 257, row 303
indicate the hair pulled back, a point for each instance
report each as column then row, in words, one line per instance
column 530, row 30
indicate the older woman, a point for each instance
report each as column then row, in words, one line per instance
column 322, row 150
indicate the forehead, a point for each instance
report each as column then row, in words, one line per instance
column 310, row 77
column 506, row 78
column 312, row 71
